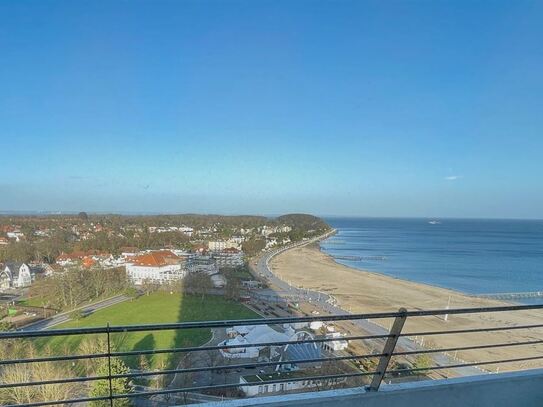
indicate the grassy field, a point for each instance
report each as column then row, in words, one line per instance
column 158, row 307
column 31, row 302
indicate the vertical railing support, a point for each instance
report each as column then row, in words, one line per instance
column 388, row 350
column 109, row 367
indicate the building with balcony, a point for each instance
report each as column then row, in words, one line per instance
column 229, row 258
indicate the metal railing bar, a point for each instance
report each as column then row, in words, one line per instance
column 473, row 347
column 184, row 350
column 54, row 381
column 472, row 330
column 243, row 366
column 490, row 362
column 249, row 345
column 230, row 385
column 240, row 346
column 268, row 321
column 474, row 310
column 59, row 402
column 388, row 350
column 53, row 359
column 380, row 371
column 188, row 370
column 192, row 389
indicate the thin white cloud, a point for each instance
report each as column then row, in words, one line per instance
column 453, row 177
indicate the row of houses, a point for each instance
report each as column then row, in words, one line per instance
column 158, row 266
column 183, row 229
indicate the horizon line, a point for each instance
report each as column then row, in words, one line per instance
column 269, row 215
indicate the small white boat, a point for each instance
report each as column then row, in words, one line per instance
column 434, row 222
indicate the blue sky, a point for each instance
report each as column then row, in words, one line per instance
column 366, row 108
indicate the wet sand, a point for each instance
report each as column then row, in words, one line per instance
column 366, row 292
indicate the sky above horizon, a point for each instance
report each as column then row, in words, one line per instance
column 359, row 108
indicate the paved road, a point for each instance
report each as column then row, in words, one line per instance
column 328, row 304
column 64, row 317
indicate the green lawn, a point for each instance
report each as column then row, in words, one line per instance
column 159, row 307
column 32, row 302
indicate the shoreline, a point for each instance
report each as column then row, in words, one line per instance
column 377, row 273
column 360, row 291
column 328, row 264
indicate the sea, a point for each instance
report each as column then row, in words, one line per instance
column 473, row 256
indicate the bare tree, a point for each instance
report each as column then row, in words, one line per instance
column 35, row 372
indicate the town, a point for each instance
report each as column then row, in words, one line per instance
column 81, row 270
column 149, row 250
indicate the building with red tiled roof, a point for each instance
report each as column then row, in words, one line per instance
column 159, row 266
column 65, row 259
column 88, row 262
column 156, row 258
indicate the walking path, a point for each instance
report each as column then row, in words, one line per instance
column 66, row 316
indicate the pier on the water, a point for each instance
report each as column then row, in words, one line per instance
column 511, row 296
column 360, row 258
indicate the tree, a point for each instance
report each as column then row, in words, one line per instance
column 5, row 326
column 83, row 216
column 423, row 362
column 198, row 283
column 78, row 285
column 89, row 346
column 77, row 315
column 118, row 386
column 252, row 247
column 232, row 289
column 144, row 363
column 148, row 286
column 34, row 372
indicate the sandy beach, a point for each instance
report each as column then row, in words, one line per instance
column 366, row 292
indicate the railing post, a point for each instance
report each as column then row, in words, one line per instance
column 388, row 350
column 109, row 367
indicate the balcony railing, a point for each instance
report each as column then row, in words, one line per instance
column 383, row 358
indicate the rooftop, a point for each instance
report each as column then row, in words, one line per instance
column 155, row 258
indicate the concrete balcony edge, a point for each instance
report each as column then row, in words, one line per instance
column 523, row 388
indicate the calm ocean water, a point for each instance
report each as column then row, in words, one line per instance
column 472, row 256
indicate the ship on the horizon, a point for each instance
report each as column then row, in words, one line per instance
column 434, row 222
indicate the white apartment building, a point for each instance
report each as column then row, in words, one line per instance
column 203, row 264
column 220, row 245
column 157, row 266
column 229, row 257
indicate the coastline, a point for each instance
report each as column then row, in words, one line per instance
column 360, row 291
column 324, row 274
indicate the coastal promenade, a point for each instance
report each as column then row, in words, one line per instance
column 284, row 288
column 328, row 303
